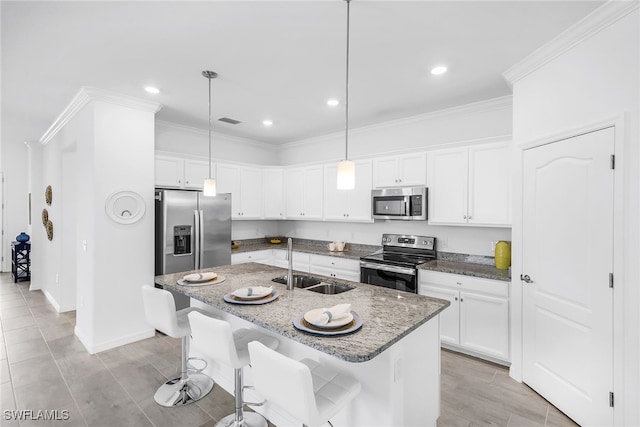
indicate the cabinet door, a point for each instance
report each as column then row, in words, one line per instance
column 313, row 189
column 450, row 316
column 273, row 193
column 447, row 173
column 385, row 172
column 262, row 257
column 412, row 169
column 490, row 184
column 250, row 193
column 359, row 199
column 195, row 172
column 294, row 193
column 228, row 181
column 335, row 201
column 484, row 324
column 169, row 172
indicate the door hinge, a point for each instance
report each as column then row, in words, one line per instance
column 611, row 399
column 613, row 161
column 611, row 280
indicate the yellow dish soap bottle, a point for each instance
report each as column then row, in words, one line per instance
column 503, row 255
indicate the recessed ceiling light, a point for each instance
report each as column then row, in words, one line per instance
column 333, row 102
column 153, row 90
column 267, row 122
column 439, row 70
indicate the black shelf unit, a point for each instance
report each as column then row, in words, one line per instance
column 20, row 261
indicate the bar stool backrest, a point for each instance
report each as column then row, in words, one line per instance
column 285, row 382
column 213, row 339
column 160, row 311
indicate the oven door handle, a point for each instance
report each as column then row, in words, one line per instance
column 390, row 268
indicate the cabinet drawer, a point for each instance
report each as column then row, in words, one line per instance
column 255, row 256
column 335, row 262
column 465, row 283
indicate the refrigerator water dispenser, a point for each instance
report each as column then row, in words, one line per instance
column 182, row 239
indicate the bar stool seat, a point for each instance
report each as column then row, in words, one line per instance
column 306, row 389
column 160, row 312
column 214, row 339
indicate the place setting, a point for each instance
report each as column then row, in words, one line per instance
column 336, row 320
column 201, row 279
column 254, row 295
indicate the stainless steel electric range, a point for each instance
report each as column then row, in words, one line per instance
column 395, row 265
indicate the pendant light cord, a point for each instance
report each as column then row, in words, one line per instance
column 209, row 127
column 346, row 100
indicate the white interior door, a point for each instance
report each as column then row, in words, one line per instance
column 568, row 256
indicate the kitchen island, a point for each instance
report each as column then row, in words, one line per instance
column 395, row 355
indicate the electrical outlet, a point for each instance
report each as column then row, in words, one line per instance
column 443, row 243
column 57, row 278
column 397, row 370
column 493, row 246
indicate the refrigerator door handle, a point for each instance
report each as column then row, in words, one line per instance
column 196, row 221
column 201, row 239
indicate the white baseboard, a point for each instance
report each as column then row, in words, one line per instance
column 94, row 348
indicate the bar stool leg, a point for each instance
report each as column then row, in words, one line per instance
column 187, row 388
column 241, row 418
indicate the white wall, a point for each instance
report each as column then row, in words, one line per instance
column 195, row 142
column 482, row 121
column 596, row 80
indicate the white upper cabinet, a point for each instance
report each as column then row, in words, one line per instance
column 273, row 193
column 407, row 170
column 470, row 185
column 304, row 189
column 244, row 185
column 176, row 172
column 348, row 205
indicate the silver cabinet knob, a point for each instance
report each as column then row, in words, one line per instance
column 525, row 278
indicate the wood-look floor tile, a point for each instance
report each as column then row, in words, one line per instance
column 17, row 323
column 80, row 365
column 41, row 368
column 555, row 418
column 141, row 382
column 10, row 313
column 22, row 334
column 4, row 371
column 184, row 416
column 13, row 304
column 18, row 352
column 65, row 346
column 218, row 403
column 54, row 332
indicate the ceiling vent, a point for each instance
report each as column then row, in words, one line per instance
column 229, row 120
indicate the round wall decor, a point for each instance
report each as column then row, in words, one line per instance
column 125, row 207
column 48, row 194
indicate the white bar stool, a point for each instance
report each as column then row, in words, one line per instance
column 309, row 391
column 160, row 312
column 214, row 339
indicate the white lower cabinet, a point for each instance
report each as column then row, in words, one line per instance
column 262, row 257
column 477, row 321
column 300, row 260
column 341, row 268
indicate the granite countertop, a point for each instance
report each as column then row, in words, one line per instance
column 486, row 271
column 387, row 315
column 316, row 247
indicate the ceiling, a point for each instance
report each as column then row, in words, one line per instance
column 280, row 60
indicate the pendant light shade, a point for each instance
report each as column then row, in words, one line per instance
column 210, row 183
column 346, row 175
column 210, row 187
column 346, row 168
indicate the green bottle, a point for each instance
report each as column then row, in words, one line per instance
column 503, row 255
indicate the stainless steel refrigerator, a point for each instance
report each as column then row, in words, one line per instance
column 192, row 232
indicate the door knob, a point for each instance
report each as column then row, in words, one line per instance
column 526, row 278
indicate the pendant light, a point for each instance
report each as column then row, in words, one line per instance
column 346, row 168
column 210, row 183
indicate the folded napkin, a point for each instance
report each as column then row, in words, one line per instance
column 334, row 313
column 200, row 277
column 254, row 291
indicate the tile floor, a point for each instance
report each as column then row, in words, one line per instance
column 43, row 366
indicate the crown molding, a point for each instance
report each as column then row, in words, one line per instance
column 461, row 110
column 590, row 25
column 251, row 142
column 90, row 94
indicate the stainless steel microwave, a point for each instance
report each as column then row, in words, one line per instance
column 408, row 203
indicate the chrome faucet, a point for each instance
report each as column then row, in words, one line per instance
column 290, row 269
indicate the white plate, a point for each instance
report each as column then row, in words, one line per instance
column 257, row 292
column 199, row 277
column 216, row 281
column 313, row 317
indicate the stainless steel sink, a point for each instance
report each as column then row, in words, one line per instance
column 330, row 288
column 299, row 280
column 314, row 284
